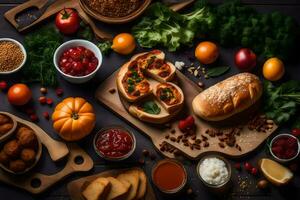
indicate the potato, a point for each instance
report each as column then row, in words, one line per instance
column 12, row 148
column 4, row 128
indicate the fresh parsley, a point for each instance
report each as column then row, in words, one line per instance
column 151, row 107
column 105, row 47
column 41, row 45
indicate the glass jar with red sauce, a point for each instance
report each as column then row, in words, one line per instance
column 284, row 147
column 169, row 176
column 114, row 143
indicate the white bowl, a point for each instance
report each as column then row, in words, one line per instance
column 23, row 50
column 75, row 43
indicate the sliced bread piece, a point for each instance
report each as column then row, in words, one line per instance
column 97, row 189
column 142, row 186
column 170, row 96
column 132, row 177
column 119, row 190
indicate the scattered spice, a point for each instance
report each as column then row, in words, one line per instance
column 34, row 117
column 43, row 100
column 11, row 56
column 46, row 115
column 43, row 90
column 114, row 8
column 49, row 101
column 146, row 153
column 59, row 92
column 262, row 184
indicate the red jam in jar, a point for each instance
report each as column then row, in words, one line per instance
column 78, row 61
column 285, row 147
column 114, row 143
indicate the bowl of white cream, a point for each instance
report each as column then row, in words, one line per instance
column 214, row 171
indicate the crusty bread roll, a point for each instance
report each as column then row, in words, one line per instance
column 228, row 97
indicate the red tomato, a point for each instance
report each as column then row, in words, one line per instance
column 67, row 21
column 19, row 94
column 245, row 59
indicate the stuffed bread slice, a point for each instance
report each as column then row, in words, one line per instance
column 131, row 82
column 150, row 110
column 170, row 96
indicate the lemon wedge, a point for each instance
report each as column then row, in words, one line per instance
column 275, row 172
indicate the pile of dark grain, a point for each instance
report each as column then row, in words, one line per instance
column 114, row 8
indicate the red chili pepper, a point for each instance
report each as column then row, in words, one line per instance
column 3, row 85
column 49, row 101
column 184, row 124
column 43, row 100
column 296, row 132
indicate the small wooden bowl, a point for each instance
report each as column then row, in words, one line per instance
column 38, row 152
column 6, row 135
column 114, row 20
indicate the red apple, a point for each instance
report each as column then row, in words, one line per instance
column 245, row 59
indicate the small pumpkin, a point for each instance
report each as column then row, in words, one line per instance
column 73, row 118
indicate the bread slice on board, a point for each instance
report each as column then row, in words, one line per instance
column 119, row 190
column 97, row 189
column 142, row 186
column 132, row 177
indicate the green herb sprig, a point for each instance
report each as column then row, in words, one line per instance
column 151, row 107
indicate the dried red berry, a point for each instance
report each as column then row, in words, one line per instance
column 46, row 115
column 49, row 101
column 254, row 171
column 43, row 100
column 3, row 85
column 237, row 166
column 248, row 166
column 34, row 117
column 59, row 92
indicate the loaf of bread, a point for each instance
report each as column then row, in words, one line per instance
column 228, row 97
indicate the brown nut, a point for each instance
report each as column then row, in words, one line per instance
column 262, row 184
column 12, row 148
column 17, row 165
column 4, row 128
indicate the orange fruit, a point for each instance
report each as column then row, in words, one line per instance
column 19, row 94
column 207, row 52
column 273, row 69
column 123, row 43
column 275, row 172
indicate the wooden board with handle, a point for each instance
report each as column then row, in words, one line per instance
column 76, row 187
column 35, row 182
column 248, row 139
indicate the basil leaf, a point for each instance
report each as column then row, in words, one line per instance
column 217, row 71
column 151, row 107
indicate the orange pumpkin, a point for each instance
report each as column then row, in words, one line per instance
column 73, row 118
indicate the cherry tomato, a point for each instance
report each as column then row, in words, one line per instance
column 248, row 166
column 19, row 94
column 67, row 21
column 254, row 171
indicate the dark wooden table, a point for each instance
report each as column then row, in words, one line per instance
column 105, row 118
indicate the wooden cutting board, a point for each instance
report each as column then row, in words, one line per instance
column 248, row 140
column 35, row 182
column 76, row 187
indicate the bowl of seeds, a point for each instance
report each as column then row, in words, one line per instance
column 12, row 55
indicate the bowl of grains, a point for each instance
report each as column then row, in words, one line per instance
column 114, row 11
column 12, row 55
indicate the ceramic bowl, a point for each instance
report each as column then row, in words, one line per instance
column 75, row 43
column 281, row 159
column 22, row 49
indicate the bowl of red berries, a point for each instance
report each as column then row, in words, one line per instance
column 77, row 60
column 284, row 147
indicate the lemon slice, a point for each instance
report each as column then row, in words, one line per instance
column 275, row 172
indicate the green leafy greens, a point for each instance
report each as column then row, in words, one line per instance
column 230, row 24
column 151, row 107
column 105, row 47
column 41, row 45
column 281, row 103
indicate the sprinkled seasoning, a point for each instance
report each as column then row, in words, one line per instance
column 11, row 56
